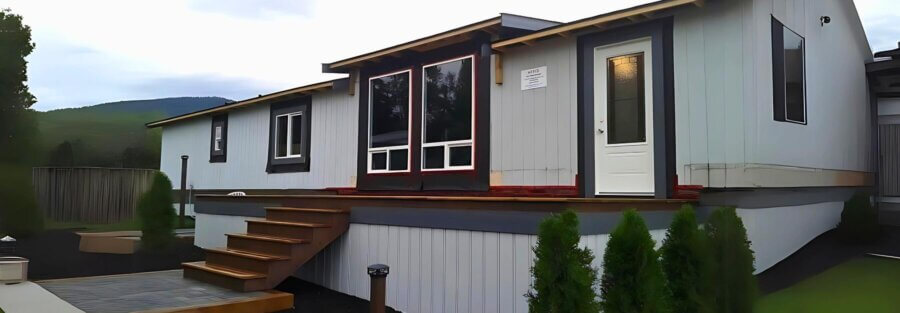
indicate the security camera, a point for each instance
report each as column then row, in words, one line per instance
column 824, row 20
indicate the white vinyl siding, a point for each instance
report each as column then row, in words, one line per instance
column 333, row 146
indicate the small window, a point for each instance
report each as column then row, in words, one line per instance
column 626, row 109
column 389, row 122
column 289, row 135
column 448, row 104
column 218, row 138
column 788, row 74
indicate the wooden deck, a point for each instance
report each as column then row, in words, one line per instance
column 540, row 204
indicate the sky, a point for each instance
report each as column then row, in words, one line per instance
column 96, row 51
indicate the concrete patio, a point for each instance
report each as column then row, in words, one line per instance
column 164, row 291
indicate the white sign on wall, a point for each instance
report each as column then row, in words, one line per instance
column 534, row 78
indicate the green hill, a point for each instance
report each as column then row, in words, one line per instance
column 111, row 134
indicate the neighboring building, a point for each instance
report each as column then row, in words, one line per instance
column 884, row 81
column 448, row 150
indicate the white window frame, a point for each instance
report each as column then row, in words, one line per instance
column 217, row 142
column 390, row 149
column 290, row 122
column 449, row 144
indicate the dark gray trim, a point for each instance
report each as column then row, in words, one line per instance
column 660, row 33
column 299, row 164
column 221, row 155
column 590, row 223
column 514, row 222
column 776, row 197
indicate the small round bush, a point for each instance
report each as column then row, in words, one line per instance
column 156, row 214
column 859, row 220
column 633, row 280
column 563, row 277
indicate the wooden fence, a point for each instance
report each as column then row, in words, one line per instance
column 91, row 195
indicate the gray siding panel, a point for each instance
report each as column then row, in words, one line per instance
column 332, row 151
column 534, row 131
column 889, row 135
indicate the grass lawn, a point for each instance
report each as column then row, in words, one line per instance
column 864, row 284
column 120, row 226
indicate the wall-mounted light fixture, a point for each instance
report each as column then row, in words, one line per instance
column 825, row 19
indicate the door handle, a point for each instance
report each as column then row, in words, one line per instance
column 600, row 130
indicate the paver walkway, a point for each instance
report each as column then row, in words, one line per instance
column 139, row 292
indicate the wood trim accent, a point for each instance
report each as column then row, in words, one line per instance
column 298, row 91
column 427, row 41
column 599, row 20
column 272, row 301
column 519, row 204
column 749, row 175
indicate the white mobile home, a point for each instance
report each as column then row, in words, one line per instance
column 440, row 156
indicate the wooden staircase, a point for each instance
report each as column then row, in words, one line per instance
column 272, row 249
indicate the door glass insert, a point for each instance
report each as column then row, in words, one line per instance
column 625, row 103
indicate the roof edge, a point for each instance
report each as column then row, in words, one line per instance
column 306, row 89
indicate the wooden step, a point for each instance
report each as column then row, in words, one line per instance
column 296, row 230
column 292, row 224
column 309, row 210
column 268, row 238
column 221, row 270
column 247, row 254
column 263, row 244
column 307, row 215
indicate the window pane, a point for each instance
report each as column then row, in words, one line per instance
column 793, row 76
column 296, row 134
column 434, row 157
column 399, row 159
column 448, row 101
column 461, row 156
column 281, row 136
column 379, row 161
column 625, row 105
column 390, row 110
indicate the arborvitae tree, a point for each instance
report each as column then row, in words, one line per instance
column 19, row 212
column 633, row 280
column 687, row 264
column 859, row 220
column 563, row 276
column 156, row 214
column 735, row 286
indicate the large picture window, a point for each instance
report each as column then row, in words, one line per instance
column 788, row 74
column 448, row 121
column 389, row 122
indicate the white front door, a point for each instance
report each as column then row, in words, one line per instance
column 623, row 118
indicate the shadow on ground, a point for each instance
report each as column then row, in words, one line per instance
column 54, row 254
column 822, row 253
column 309, row 297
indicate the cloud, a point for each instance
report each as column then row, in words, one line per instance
column 254, row 9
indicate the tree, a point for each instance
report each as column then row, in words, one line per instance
column 735, row 286
column 633, row 280
column 156, row 214
column 563, row 277
column 687, row 264
column 63, row 155
column 19, row 213
column 17, row 126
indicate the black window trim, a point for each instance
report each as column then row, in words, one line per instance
column 450, row 144
column 221, row 155
column 300, row 163
column 388, row 150
column 779, row 82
